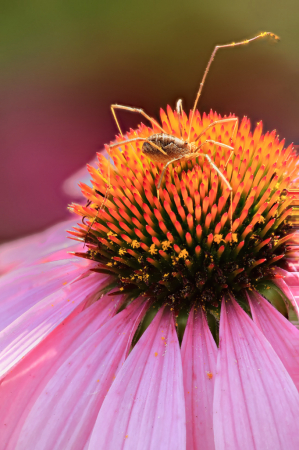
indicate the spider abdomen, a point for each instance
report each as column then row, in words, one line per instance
column 171, row 145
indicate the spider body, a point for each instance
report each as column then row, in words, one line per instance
column 171, row 145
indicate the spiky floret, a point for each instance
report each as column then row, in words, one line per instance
column 179, row 249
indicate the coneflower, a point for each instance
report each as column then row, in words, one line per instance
column 169, row 328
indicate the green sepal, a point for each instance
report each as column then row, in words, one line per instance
column 276, row 297
column 144, row 324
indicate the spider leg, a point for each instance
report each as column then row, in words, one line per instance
column 222, row 145
column 117, row 144
column 138, row 110
column 220, row 174
column 230, row 155
column 103, row 201
column 179, row 110
column 229, row 119
column 139, row 139
column 213, row 165
column 163, row 172
column 233, row 44
column 235, row 130
column 87, row 204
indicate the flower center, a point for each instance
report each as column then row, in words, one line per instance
column 180, row 247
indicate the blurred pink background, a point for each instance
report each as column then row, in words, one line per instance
column 63, row 64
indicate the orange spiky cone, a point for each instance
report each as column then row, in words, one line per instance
column 179, row 248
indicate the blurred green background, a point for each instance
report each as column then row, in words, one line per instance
column 62, row 63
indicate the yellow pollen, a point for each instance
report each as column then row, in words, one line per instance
column 135, row 244
column 153, row 249
column 109, row 264
column 122, row 251
column 218, row 238
column 110, row 233
column 183, row 254
column 262, row 219
column 234, row 237
column 166, row 245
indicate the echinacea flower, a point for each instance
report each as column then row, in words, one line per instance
column 168, row 328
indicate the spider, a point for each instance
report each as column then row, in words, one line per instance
column 166, row 148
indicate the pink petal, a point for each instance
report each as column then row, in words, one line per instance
column 293, row 267
column 21, row 388
column 145, row 407
column 70, row 186
column 256, row 404
column 289, row 286
column 28, row 330
column 49, row 245
column 64, row 413
column 199, row 353
column 291, row 293
column 24, row 287
column 281, row 334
